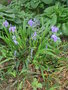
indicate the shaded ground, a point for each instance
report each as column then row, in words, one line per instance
column 60, row 76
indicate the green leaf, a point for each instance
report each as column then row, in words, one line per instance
column 54, row 19
column 20, row 86
column 47, row 1
column 1, row 58
column 65, row 28
column 39, row 85
column 13, row 73
column 49, row 10
column 34, row 3
column 5, row 60
column 54, row 87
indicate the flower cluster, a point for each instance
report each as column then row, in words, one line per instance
column 54, row 30
column 11, row 28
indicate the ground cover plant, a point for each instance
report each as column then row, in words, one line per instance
column 34, row 45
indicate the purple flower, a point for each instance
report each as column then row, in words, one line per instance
column 30, row 22
column 5, row 23
column 12, row 28
column 54, row 29
column 54, row 37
